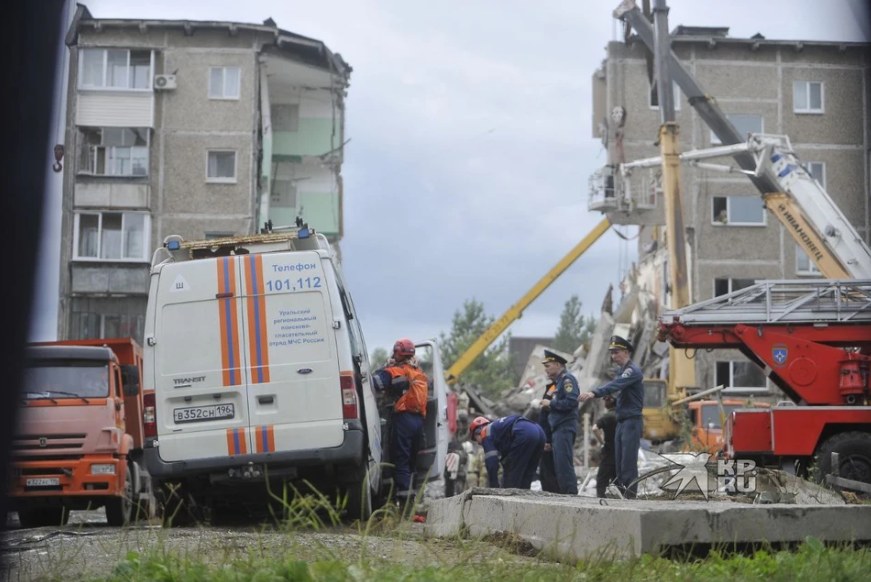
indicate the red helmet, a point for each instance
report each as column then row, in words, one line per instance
column 476, row 424
column 403, row 347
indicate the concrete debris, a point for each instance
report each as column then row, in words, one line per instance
column 563, row 526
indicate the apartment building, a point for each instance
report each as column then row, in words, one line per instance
column 201, row 129
column 817, row 93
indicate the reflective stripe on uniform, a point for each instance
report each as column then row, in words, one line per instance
column 491, row 454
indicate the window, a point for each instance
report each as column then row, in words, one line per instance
column 100, row 317
column 807, row 97
column 61, row 378
column 221, row 167
column 115, row 69
column 224, row 82
column 738, row 211
column 726, row 286
column 740, row 376
column 112, row 236
column 283, row 193
column 285, row 117
column 817, row 170
column 113, row 151
column 744, row 124
column 653, row 96
column 803, row 263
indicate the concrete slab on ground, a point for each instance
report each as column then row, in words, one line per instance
column 584, row 528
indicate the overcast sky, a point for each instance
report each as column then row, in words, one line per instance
column 470, row 128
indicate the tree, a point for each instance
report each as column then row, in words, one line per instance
column 491, row 371
column 574, row 328
column 378, row 358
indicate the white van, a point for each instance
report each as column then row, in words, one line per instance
column 259, row 369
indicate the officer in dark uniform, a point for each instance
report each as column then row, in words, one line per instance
column 563, row 418
column 547, row 471
column 629, row 389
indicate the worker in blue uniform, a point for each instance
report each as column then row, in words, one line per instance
column 514, row 441
column 628, row 387
column 563, row 418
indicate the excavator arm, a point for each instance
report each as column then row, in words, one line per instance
column 516, row 311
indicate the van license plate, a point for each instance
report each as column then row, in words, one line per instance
column 200, row 413
column 43, row 482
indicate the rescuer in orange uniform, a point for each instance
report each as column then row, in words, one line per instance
column 402, row 378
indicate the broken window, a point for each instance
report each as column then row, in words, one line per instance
column 113, row 151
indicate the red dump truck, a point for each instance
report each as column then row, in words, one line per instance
column 78, row 443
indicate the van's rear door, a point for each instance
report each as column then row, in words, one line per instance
column 431, row 458
column 294, row 394
column 201, row 396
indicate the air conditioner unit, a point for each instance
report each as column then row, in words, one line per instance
column 164, row 82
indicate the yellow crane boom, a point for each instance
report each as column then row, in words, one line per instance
column 516, row 310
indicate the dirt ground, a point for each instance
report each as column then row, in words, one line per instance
column 87, row 547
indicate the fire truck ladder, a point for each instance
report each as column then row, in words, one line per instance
column 782, row 302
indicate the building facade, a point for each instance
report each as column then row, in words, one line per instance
column 200, row 129
column 816, row 93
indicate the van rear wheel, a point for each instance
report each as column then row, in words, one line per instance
column 359, row 500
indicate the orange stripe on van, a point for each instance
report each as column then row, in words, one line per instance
column 256, row 308
column 270, row 437
column 234, row 326
column 264, row 344
column 231, row 363
column 264, row 437
column 222, row 319
column 236, row 444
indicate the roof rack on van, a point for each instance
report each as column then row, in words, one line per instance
column 176, row 249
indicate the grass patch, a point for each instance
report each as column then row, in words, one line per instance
column 810, row 562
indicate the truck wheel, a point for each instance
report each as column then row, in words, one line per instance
column 119, row 510
column 359, row 500
column 854, row 456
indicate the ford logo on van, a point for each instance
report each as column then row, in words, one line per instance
column 304, row 371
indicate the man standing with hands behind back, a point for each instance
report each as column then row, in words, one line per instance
column 563, row 417
column 629, row 389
